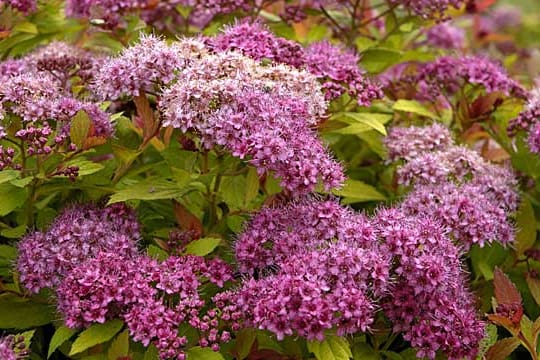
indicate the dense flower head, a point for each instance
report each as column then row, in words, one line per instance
column 13, row 67
column 263, row 113
column 153, row 298
column 12, row 347
column 144, row 67
column 24, row 6
column 63, row 61
column 447, row 74
column 80, row 232
column 461, row 165
column 339, row 72
column 315, row 266
column 529, row 120
column 428, row 302
column 430, row 9
column 275, row 233
column 470, row 216
column 446, row 36
column 406, row 143
column 257, row 42
column 336, row 67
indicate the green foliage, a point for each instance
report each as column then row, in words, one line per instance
column 332, row 348
column 94, row 335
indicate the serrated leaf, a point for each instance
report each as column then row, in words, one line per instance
column 526, row 227
column 202, row 247
column 149, row 189
column 534, row 286
column 505, row 291
column 13, row 197
column 502, row 348
column 357, row 191
column 79, row 128
column 199, row 353
column 412, row 106
column 94, row 335
column 8, row 175
column 371, row 120
column 16, row 314
column 61, row 335
column 119, row 347
column 332, row 348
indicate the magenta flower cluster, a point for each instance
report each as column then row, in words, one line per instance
column 79, row 233
column 24, row 6
column 153, row 298
column 446, row 36
column 529, row 120
column 453, row 184
column 312, row 266
column 13, row 348
column 429, row 9
column 263, row 114
column 336, row 67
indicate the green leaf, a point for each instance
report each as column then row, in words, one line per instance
column 233, row 191
column 376, row 60
column 119, row 347
column 149, row 189
column 357, row 191
column 8, row 175
column 151, row 353
column 157, row 252
column 332, row 348
column 12, row 197
column 412, row 106
column 373, row 121
column 199, row 353
column 79, row 128
column 526, row 227
column 94, row 335
column 252, row 186
column 245, row 338
column 16, row 314
column 362, row 351
column 202, row 247
column 86, row 167
column 22, row 182
column 26, row 27
column 14, row 233
column 61, row 335
column 534, row 287
column 7, row 254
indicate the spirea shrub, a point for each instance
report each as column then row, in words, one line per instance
column 224, row 179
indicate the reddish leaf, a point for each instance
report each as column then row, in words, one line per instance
column 505, row 290
column 504, row 322
column 502, row 348
column 267, row 354
column 146, row 114
column 186, row 220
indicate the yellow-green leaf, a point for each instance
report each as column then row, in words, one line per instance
column 199, row 353
column 79, row 128
column 357, row 191
column 94, row 335
column 119, row 347
column 61, row 335
column 202, row 247
column 526, row 227
column 412, row 106
column 332, row 348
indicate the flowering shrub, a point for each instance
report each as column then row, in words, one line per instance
column 268, row 180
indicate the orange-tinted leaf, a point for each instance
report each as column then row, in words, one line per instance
column 496, row 155
column 502, row 348
column 93, row 141
column 186, row 220
column 505, row 291
column 146, row 114
column 503, row 321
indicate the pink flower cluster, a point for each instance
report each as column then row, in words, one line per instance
column 429, row 9
column 312, row 266
column 79, row 233
column 24, row 6
column 453, row 184
column 529, row 120
column 13, row 348
column 153, row 298
column 336, row 67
